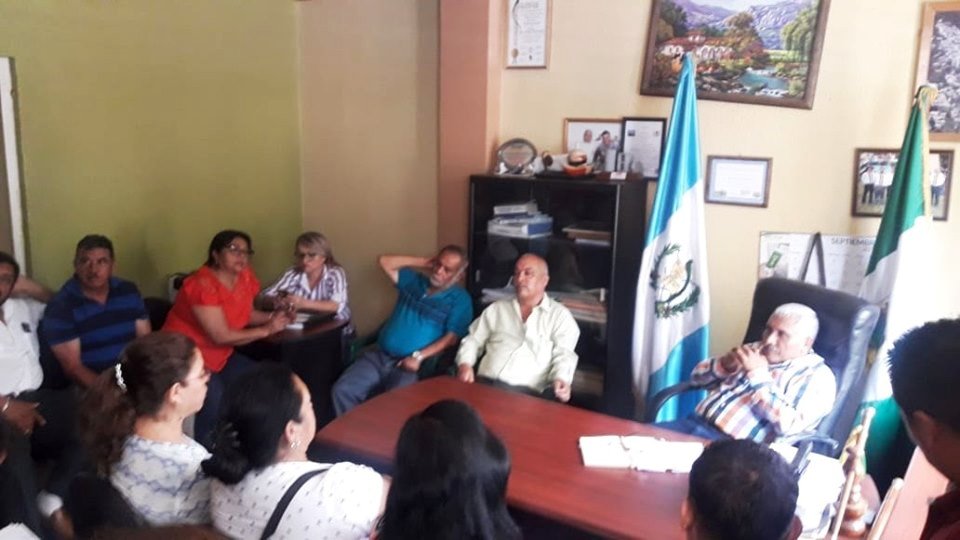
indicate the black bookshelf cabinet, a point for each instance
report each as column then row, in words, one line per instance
column 593, row 250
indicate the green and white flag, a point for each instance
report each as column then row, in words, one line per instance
column 896, row 277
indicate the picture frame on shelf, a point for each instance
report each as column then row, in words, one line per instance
column 741, row 56
column 935, row 65
column 738, row 180
column 642, row 141
column 873, row 171
column 528, row 34
column 599, row 138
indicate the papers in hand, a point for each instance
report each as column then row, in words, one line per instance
column 638, row 452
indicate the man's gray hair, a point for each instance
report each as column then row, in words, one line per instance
column 805, row 316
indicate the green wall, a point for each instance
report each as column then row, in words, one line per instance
column 157, row 123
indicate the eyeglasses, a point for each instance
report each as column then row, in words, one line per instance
column 239, row 251
column 437, row 265
column 309, row 255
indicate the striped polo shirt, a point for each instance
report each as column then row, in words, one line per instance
column 780, row 400
column 103, row 329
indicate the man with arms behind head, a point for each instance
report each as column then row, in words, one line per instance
column 432, row 313
column 774, row 388
column 527, row 342
column 739, row 490
column 94, row 315
column 925, row 375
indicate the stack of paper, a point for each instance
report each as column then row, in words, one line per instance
column 638, row 452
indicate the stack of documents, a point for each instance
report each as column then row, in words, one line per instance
column 520, row 220
column 639, row 452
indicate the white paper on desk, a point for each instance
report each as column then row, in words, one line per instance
column 820, row 486
column 638, row 452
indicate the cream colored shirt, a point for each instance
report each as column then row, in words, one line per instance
column 19, row 349
column 532, row 354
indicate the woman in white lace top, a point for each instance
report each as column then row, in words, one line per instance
column 132, row 421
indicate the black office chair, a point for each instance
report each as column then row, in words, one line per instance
column 846, row 324
column 157, row 310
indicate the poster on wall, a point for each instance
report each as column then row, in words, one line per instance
column 765, row 52
column 845, row 258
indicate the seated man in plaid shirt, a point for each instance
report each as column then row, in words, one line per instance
column 766, row 390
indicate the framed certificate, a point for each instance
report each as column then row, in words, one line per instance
column 738, row 180
column 528, row 33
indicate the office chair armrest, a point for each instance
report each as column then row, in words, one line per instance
column 662, row 396
column 806, row 442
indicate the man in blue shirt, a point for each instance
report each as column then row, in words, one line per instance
column 94, row 315
column 431, row 315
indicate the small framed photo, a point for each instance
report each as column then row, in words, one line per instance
column 873, row 174
column 743, row 181
column 598, row 137
column 642, row 148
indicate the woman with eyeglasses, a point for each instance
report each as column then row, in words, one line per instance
column 132, row 422
column 316, row 282
column 215, row 308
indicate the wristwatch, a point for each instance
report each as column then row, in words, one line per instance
column 417, row 355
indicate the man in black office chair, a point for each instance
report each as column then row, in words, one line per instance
column 766, row 390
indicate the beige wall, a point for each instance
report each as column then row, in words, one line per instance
column 157, row 124
column 863, row 94
column 368, row 73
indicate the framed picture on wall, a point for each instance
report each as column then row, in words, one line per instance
column 873, row 174
column 599, row 138
column 765, row 52
column 939, row 49
column 528, row 33
column 642, row 145
column 743, row 181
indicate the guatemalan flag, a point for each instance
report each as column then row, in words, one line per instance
column 672, row 321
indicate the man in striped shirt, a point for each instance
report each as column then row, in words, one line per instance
column 766, row 390
column 94, row 315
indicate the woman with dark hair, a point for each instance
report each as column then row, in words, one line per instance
column 315, row 282
column 132, row 423
column 260, row 455
column 215, row 308
column 450, row 479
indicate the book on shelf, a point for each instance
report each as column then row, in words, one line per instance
column 515, row 209
column 527, row 226
column 588, row 230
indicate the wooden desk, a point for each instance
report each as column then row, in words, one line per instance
column 315, row 354
column 921, row 485
column 548, row 478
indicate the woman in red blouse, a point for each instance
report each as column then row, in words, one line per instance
column 215, row 308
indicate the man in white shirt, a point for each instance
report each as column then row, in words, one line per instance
column 527, row 343
column 39, row 420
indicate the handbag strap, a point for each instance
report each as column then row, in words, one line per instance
column 285, row 501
